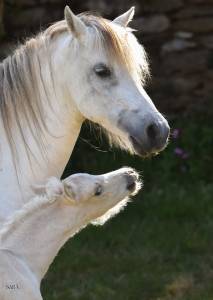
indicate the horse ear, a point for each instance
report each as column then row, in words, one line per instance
column 125, row 18
column 74, row 23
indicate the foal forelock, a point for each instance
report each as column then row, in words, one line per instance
column 22, row 83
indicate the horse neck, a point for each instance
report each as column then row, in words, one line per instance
column 63, row 121
column 62, row 118
column 38, row 231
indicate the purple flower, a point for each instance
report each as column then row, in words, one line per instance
column 178, row 151
column 175, row 134
column 181, row 153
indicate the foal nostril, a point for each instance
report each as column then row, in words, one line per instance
column 152, row 131
column 131, row 182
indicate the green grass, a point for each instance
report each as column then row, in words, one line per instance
column 161, row 246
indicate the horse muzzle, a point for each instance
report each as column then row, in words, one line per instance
column 147, row 135
column 151, row 140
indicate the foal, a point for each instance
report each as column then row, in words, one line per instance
column 33, row 236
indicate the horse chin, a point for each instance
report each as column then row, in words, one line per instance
column 145, row 154
column 131, row 145
column 137, row 148
column 140, row 151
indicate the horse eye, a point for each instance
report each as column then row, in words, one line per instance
column 98, row 190
column 102, row 71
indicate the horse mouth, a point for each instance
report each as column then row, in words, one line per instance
column 140, row 150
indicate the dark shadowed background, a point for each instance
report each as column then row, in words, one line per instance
column 161, row 246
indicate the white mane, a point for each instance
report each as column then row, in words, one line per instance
column 30, row 208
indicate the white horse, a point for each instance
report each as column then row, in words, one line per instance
column 84, row 67
column 31, row 239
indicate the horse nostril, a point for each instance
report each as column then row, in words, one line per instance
column 152, row 131
column 131, row 181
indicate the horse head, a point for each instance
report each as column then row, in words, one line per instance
column 106, row 79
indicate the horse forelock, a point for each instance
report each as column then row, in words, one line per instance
column 116, row 41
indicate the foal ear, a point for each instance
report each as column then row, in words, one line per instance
column 74, row 23
column 125, row 18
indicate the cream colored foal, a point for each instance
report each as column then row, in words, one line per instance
column 32, row 237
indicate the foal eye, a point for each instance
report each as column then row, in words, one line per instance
column 102, row 71
column 98, row 190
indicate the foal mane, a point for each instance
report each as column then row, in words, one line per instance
column 36, row 204
column 22, row 82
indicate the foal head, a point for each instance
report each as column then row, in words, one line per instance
column 109, row 69
column 96, row 198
